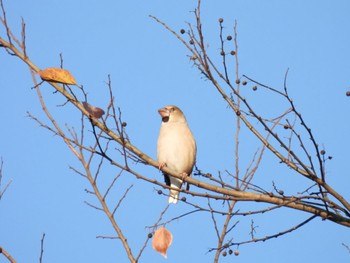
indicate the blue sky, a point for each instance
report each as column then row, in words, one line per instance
column 149, row 69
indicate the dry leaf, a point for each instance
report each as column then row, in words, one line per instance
column 57, row 75
column 94, row 111
column 161, row 241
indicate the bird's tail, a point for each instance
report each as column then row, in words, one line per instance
column 173, row 196
column 173, row 193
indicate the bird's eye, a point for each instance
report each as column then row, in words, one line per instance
column 173, row 109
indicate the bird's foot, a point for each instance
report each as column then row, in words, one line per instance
column 161, row 165
column 183, row 176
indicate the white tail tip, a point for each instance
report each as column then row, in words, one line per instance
column 173, row 197
column 172, row 200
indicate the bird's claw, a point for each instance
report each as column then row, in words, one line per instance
column 161, row 166
column 183, row 176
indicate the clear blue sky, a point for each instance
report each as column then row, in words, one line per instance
column 149, row 69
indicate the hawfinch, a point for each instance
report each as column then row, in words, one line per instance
column 176, row 148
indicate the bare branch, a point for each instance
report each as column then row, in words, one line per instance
column 121, row 199
column 42, row 248
column 7, row 255
column 2, row 192
column 346, row 246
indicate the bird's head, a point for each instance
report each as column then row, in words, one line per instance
column 171, row 114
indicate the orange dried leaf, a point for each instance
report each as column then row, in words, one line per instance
column 58, row 75
column 161, row 241
column 94, row 111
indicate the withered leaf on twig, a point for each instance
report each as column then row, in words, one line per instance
column 58, row 75
column 94, row 111
column 161, row 241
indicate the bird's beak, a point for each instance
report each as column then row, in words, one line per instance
column 164, row 113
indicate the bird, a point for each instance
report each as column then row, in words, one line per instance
column 176, row 148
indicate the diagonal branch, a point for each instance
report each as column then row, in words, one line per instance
column 7, row 255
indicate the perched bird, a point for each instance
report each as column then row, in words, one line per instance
column 176, row 148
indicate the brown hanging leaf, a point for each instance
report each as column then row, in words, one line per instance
column 58, row 75
column 94, row 111
column 161, row 241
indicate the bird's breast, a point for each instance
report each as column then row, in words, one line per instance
column 176, row 147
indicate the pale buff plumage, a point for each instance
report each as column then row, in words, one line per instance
column 176, row 148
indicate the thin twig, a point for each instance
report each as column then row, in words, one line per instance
column 213, row 219
column 346, row 246
column 42, row 248
column 111, row 184
column 2, row 192
column 121, row 199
